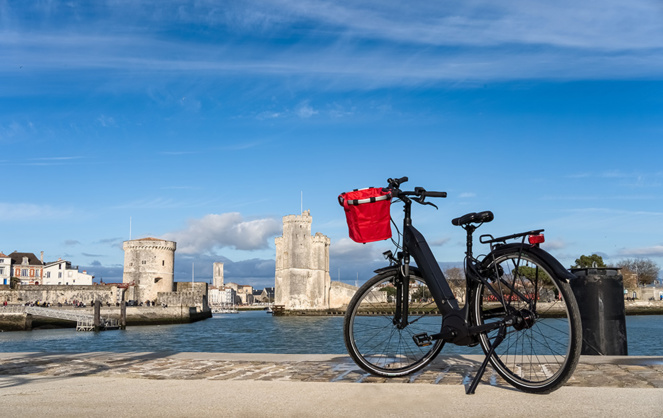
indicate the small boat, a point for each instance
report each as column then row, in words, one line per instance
column 224, row 310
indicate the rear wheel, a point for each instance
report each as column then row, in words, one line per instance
column 380, row 344
column 542, row 346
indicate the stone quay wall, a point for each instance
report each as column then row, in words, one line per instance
column 60, row 294
column 340, row 295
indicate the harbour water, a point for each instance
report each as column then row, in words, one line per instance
column 256, row 332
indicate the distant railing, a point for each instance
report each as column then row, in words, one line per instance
column 84, row 321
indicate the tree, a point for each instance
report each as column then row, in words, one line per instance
column 589, row 261
column 644, row 269
column 456, row 279
column 535, row 275
column 455, row 276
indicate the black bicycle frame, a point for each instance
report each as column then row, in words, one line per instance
column 458, row 319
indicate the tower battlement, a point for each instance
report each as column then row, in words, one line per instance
column 150, row 264
column 302, row 265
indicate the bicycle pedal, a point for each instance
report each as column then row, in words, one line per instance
column 422, row 340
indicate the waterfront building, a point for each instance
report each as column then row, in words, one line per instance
column 244, row 293
column 27, row 267
column 220, row 296
column 61, row 272
column 266, row 295
column 149, row 265
column 5, row 269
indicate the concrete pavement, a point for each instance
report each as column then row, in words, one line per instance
column 256, row 385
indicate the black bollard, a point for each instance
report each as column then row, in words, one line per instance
column 97, row 315
column 123, row 315
column 600, row 296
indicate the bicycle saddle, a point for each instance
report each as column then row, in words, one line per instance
column 481, row 217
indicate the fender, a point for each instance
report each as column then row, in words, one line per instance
column 537, row 252
column 413, row 270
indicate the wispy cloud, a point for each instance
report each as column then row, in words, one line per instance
column 653, row 251
column 93, row 255
column 106, row 121
column 440, row 242
column 163, row 203
column 29, row 211
column 366, row 43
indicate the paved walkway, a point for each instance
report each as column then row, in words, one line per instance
column 156, row 384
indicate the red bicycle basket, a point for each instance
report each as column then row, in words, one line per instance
column 367, row 214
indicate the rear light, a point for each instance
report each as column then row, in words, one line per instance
column 536, row 239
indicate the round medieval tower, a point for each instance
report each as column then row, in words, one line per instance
column 302, row 265
column 149, row 263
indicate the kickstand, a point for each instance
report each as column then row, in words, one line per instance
column 498, row 340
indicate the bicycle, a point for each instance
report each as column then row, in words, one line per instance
column 519, row 305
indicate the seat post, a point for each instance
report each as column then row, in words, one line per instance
column 470, row 230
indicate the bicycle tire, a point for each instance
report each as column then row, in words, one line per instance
column 372, row 339
column 541, row 356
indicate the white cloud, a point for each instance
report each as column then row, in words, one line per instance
column 554, row 245
column 224, row 230
column 305, row 111
column 347, row 251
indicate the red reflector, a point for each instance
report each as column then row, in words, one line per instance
column 536, row 239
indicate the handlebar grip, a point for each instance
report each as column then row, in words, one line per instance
column 396, row 182
column 435, row 194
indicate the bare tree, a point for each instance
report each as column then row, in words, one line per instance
column 645, row 270
column 456, row 279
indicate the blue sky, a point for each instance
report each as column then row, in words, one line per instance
column 205, row 122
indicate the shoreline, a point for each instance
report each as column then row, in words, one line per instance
column 139, row 316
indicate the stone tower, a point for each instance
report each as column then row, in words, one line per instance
column 302, row 265
column 150, row 264
column 217, row 275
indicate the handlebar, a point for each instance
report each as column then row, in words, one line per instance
column 419, row 192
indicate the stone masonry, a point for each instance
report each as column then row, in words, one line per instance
column 149, row 263
column 302, row 265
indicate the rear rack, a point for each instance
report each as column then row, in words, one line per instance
column 489, row 239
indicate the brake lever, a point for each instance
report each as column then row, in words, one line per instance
column 432, row 204
column 421, row 201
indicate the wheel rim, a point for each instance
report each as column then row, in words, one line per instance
column 381, row 346
column 536, row 350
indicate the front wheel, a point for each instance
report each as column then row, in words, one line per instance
column 542, row 345
column 376, row 340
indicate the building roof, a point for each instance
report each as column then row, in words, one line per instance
column 3, row 254
column 17, row 258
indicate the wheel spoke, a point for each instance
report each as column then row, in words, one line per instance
column 540, row 351
column 375, row 342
